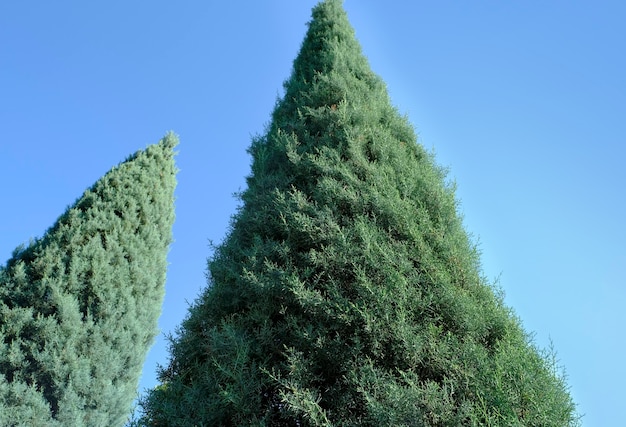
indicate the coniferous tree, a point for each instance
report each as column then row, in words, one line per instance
column 347, row 291
column 79, row 306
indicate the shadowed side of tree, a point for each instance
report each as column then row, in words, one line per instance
column 79, row 307
column 347, row 291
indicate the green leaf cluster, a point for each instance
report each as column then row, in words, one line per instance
column 79, row 307
column 347, row 291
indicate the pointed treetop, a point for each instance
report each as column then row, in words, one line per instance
column 329, row 69
column 329, row 38
column 169, row 141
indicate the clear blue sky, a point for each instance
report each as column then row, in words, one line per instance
column 525, row 102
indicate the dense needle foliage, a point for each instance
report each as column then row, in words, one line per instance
column 347, row 291
column 79, row 307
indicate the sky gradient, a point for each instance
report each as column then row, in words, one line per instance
column 525, row 102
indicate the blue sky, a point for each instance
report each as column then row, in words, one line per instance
column 525, row 102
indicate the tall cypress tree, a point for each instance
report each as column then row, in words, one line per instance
column 347, row 291
column 79, row 307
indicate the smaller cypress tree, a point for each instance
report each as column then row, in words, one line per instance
column 79, row 307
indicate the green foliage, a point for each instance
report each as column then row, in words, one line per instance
column 79, row 307
column 347, row 291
